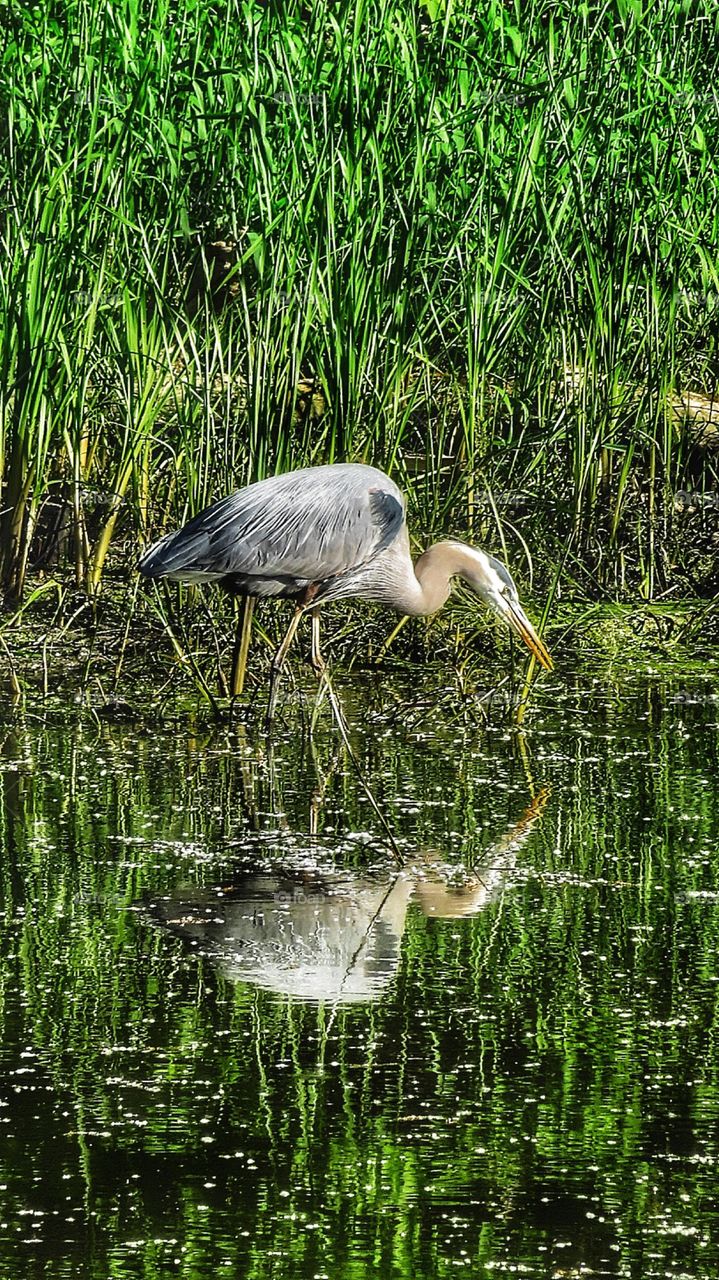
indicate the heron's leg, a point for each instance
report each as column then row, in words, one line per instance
column 318, row 662
column 279, row 659
column 278, row 663
column 242, row 646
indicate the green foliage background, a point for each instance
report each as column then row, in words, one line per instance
column 484, row 237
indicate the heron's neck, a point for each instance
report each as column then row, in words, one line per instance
column 433, row 574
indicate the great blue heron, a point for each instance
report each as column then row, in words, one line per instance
column 329, row 533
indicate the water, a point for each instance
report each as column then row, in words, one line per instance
column 236, row 1040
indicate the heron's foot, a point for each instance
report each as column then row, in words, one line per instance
column 319, row 666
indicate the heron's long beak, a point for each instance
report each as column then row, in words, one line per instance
column 517, row 619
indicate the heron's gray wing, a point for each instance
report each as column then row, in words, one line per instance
column 307, row 525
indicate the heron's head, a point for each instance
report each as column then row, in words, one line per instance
column 493, row 583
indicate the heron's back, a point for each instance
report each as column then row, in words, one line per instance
column 277, row 536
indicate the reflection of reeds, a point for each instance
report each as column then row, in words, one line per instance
column 525, row 1030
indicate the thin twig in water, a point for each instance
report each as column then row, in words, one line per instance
column 342, row 725
column 128, row 624
column 176, row 632
column 360, row 948
column 15, row 686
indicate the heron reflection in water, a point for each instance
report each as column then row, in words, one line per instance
column 323, row 534
column 326, row 935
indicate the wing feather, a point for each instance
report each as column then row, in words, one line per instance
column 304, row 526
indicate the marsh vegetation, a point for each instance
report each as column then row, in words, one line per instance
column 476, row 248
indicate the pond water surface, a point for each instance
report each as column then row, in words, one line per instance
column 237, row 1039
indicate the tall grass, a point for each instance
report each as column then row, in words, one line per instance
column 483, row 240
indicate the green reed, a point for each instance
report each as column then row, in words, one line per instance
column 485, row 240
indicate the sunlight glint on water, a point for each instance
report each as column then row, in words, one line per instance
column 236, row 1041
